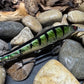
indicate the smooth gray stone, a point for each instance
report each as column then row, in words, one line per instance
column 72, row 56
column 10, row 29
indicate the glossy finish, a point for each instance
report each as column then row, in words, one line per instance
column 48, row 37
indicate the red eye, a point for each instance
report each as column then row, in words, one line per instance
column 74, row 27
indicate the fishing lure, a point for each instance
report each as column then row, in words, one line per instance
column 48, row 37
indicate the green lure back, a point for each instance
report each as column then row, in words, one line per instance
column 46, row 38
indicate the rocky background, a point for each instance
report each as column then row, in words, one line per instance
column 22, row 20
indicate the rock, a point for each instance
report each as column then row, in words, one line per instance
column 49, row 17
column 77, row 1
column 63, row 22
column 22, row 73
column 71, row 56
column 57, row 24
column 76, row 16
column 3, row 47
column 51, row 2
column 2, row 75
column 10, row 29
column 53, row 72
column 24, row 36
column 32, row 23
column 32, row 6
column 81, row 7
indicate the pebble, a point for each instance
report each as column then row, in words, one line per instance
column 22, row 73
column 24, row 36
column 57, row 24
column 2, row 75
column 32, row 23
column 53, row 72
column 71, row 56
column 81, row 7
column 63, row 22
column 49, row 17
column 3, row 47
column 76, row 16
column 10, row 29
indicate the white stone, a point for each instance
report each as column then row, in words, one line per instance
column 24, row 36
column 32, row 23
column 53, row 72
column 76, row 16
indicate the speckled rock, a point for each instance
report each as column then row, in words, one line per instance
column 49, row 17
column 10, row 29
column 76, row 16
column 72, row 56
column 53, row 72
column 24, row 36
column 3, row 47
column 2, row 75
column 32, row 23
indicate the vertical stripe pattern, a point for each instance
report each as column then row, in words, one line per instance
column 46, row 38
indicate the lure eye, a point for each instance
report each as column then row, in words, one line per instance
column 75, row 28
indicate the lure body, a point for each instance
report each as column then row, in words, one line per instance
column 48, row 37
